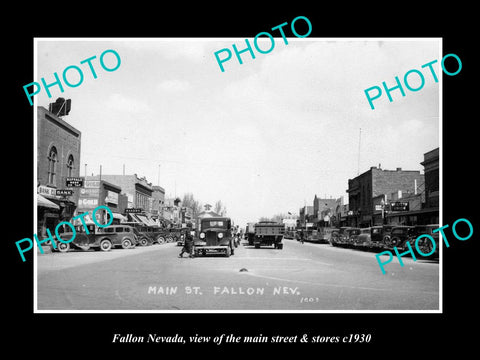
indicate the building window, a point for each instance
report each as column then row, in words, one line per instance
column 52, row 159
column 70, row 166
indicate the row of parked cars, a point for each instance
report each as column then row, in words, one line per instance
column 387, row 237
column 126, row 236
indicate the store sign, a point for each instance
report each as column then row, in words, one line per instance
column 112, row 197
column 64, row 192
column 92, row 183
column 133, row 210
column 399, row 206
column 74, row 182
column 45, row 190
column 90, row 191
column 87, row 203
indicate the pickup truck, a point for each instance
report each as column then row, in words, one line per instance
column 268, row 233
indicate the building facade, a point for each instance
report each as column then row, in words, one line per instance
column 96, row 193
column 431, row 164
column 138, row 190
column 324, row 210
column 371, row 189
column 158, row 202
column 58, row 158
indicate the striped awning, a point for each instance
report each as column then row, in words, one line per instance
column 44, row 202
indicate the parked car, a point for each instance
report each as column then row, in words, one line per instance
column 424, row 244
column 398, row 237
column 352, row 236
column 98, row 238
column 319, row 234
column 339, row 237
column 363, row 238
column 372, row 237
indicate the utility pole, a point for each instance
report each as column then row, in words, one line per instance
column 359, row 142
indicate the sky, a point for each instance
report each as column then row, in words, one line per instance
column 265, row 136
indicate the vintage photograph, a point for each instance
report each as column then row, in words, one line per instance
column 265, row 174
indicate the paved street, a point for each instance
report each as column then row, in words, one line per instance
column 299, row 277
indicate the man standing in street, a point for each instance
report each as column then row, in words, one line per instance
column 188, row 242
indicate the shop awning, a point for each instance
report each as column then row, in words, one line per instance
column 144, row 220
column 134, row 218
column 120, row 217
column 44, row 202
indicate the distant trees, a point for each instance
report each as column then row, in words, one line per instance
column 197, row 207
column 277, row 218
column 190, row 201
column 220, row 208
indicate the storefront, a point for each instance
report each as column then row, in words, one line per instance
column 96, row 193
column 53, row 208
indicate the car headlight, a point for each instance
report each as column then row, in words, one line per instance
column 220, row 235
column 202, row 235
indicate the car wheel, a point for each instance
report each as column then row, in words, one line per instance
column 143, row 242
column 62, row 247
column 228, row 252
column 169, row 239
column 126, row 244
column 105, row 245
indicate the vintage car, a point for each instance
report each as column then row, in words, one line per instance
column 98, row 238
column 398, row 237
column 363, row 238
column 352, row 236
column 339, row 236
column 372, row 237
column 322, row 234
column 386, row 233
column 214, row 236
column 268, row 233
column 146, row 235
column 424, row 244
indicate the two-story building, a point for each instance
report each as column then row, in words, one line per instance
column 58, row 160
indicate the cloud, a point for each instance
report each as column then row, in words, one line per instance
column 119, row 102
column 173, row 86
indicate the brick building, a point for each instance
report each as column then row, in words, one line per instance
column 58, row 157
column 376, row 182
column 324, row 210
column 158, row 202
column 138, row 190
column 306, row 214
column 96, row 193
column 431, row 165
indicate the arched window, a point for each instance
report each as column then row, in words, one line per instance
column 52, row 159
column 70, row 166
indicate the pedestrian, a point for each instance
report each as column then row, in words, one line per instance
column 302, row 239
column 188, row 245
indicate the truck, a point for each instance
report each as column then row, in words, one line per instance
column 214, row 236
column 250, row 233
column 268, row 233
